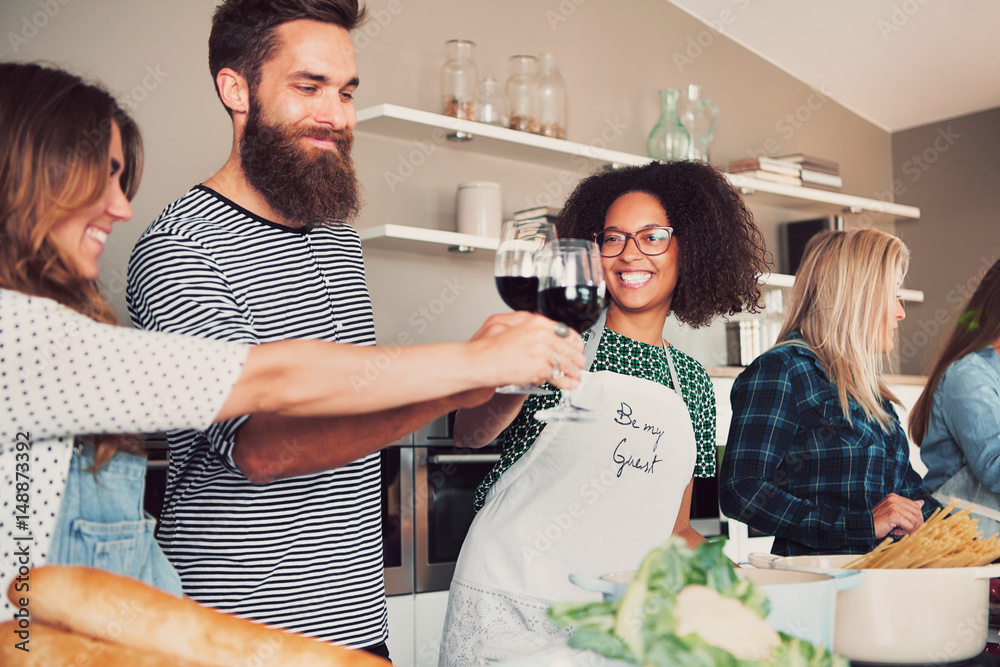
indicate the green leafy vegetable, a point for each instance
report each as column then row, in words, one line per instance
column 641, row 627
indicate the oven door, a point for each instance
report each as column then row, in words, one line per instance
column 445, row 481
column 397, row 519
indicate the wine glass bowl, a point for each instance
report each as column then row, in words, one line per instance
column 514, row 266
column 516, row 276
column 570, row 290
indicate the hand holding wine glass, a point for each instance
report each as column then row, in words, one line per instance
column 570, row 291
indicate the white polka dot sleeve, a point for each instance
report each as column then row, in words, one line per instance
column 63, row 374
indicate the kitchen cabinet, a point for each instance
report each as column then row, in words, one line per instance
column 415, row 626
column 772, row 203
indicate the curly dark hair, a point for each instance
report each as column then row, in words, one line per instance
column 721, row 250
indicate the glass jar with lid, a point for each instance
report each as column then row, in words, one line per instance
column 522, row 93
column 551, row 99
column 458, row 80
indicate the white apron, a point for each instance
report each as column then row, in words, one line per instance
column 587, row 497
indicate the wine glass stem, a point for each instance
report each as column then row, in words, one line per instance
column 566, row 402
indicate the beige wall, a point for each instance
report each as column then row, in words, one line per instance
column 613, row 55
column 951, row 171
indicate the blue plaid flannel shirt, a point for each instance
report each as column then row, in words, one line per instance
column 795, row 468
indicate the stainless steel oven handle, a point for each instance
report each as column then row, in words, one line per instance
column 463, row 458
column 157, row 465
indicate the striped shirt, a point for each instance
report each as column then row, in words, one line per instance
column 304, row 554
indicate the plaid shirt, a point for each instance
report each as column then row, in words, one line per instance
column 796, row 469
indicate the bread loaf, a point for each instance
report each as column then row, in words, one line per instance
column 51, row 647
column 122, row 610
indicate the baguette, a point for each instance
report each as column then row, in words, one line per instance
column 122, row 610
column 51, row 647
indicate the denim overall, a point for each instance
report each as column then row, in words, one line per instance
column 102, row 523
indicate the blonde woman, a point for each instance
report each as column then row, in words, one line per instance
column 816, row 455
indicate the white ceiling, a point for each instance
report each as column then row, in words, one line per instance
column 898, row 63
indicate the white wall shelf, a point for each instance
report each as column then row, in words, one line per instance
column 816, row 201
column 785, row 280
column 415, row 125
column 399, row 122
column 403, row 238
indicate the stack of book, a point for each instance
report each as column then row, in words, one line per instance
column 795, row 169
column 538, row 213
column 817, row 172
column 768, row 169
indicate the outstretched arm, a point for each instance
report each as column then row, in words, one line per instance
column 372, row 409
column 303, row 378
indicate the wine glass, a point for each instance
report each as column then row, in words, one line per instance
column 571, row 291
column 516, row 276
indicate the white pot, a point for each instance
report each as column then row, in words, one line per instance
column 911, row 616
column 803, row 604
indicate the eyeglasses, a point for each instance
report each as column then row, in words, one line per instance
column 651, row 241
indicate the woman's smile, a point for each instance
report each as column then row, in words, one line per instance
column 635, row 279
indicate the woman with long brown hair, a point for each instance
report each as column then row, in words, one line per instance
column 71, row 382
column 816, row 455
column 956, row 420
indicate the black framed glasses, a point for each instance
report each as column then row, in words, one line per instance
column 650, row 241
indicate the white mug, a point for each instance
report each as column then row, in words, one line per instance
column 478, row 208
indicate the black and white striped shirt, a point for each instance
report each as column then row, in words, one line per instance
column 304, row 554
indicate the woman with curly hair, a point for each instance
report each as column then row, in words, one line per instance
column 816, row 455
column 674, row 238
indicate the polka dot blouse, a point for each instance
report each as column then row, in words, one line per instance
column 623, row 355
column 62, row 374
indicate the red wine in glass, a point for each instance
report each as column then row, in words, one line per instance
column 519, row 292
column 576, row 306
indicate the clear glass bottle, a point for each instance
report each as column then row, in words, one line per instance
column 522, row 93
column 458, row 80
column 698, row 116
column 551, row 99
column 492, row 104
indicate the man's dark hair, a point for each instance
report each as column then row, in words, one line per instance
column 243, row 36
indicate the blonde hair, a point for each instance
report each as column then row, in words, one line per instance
column 55, row 146
column 843, row 305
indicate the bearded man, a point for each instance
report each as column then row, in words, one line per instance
column 276, row 519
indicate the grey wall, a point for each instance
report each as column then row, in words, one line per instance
column 613, row 55
column 951, row 170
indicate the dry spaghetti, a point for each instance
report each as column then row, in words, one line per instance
column 944, row 540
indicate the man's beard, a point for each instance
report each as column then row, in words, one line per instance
column 306, row 187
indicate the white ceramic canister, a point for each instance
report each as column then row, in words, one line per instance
column 478, row 208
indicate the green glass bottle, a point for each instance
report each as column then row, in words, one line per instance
column 668, row 140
